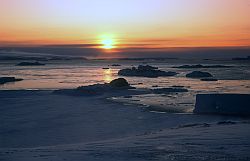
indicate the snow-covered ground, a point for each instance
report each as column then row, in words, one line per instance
column 38, row 125
column 204, row 142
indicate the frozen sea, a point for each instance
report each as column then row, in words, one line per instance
column 71, row 74
column 38, row 125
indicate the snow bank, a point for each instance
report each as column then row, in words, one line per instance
column 228, row 104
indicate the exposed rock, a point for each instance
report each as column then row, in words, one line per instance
column 198, row 74
column 146, row 67
column 209, row 79
column 115, row 65
column 97, row 89
column 30, row 64
column 128, row 97
column 4, row 80
column 93, row 89
column 178, row 86
column 203, row 66
column 145, row 71
column 226, row 123
column 120, row 82
column 193, row 125
column 169, row 90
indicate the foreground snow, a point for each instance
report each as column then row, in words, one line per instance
column 39, row 125
column 190, row 142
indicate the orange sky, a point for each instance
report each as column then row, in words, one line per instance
column 132, row 23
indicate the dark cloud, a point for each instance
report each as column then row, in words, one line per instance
column 91, row 51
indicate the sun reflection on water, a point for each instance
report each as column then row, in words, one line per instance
column 107, row 75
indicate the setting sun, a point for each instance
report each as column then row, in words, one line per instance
column 118, row 80
column 108, row 44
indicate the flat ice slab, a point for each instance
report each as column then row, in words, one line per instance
column 228, row 104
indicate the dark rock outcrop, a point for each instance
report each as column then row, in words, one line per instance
column 115, row 65
column 198, row 74
column 30, row 64
column 120, row 82
column 209, row 79
column 169, row 90
column 4, row 80
column 97, row 89
column 146, row 67
column 145, row 71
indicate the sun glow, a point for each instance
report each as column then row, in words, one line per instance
column 107, row 42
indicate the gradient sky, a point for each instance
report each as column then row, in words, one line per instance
column 132, row 23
